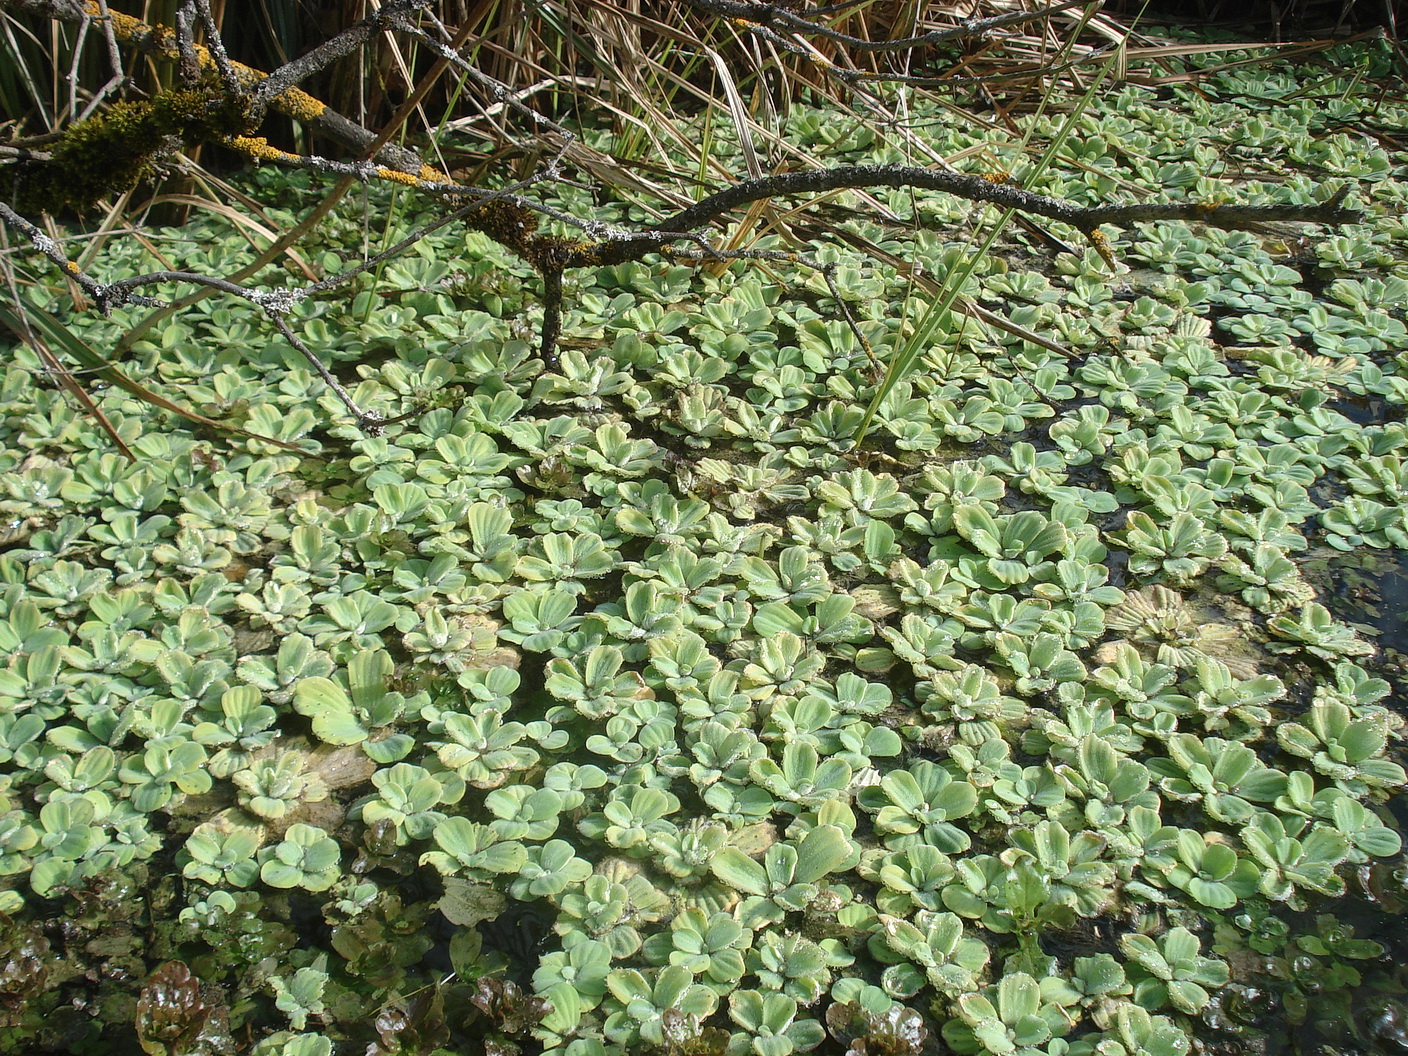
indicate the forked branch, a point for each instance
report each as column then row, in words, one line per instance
column 1085, row 218
column 508, row 215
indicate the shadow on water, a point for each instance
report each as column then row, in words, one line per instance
column 1369, row 588
column 1353, row 1004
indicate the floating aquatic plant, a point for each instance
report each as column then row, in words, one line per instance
column 635, row 680
column 1161, row 622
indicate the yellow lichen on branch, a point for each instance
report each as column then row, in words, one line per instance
column 294, row 102
column 298, row 104
column 1102, row 246
column 406, row 178
column 259, row 148
column 426, row 178
column 126, row 27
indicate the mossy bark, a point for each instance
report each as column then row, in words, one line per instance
column 114, row 151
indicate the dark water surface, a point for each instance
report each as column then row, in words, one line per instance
column 1367, row 588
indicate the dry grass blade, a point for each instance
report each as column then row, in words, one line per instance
column 739, row 113
column 64, row 378
column 30, row 80
column 242, row 222
column 30, row 323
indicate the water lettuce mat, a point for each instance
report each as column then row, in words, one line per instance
column 630, row 706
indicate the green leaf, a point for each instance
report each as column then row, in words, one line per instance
column 774, row 617
column 338, row 727
column 740, row 872
column 823, row 850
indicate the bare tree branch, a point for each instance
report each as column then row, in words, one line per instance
column 217, row 48
column 496, row 88
column 161, row 41
column 328, row 52
column 107, row 296
column 1085, row 218
column 513, row 218
column 23, row 153
column 118, row 77
column 186, row 43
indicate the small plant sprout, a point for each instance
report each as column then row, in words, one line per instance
column 582, row 969
column 1009, row 1017
column 308, row 858
column 474, row 851
column 1290, row 863
column 642, row 998
column 771, row 1026
column 1225, row 776
column 407, row 797
column 1348, row 750
column 797, row 966
column 612, row 906
column 1170, row 971
column 594, row 684
column 787, row 878
column 919, row 805
column 483, row 750
column 631, row 823
column 711, row 947
column 1318, row 633
column 801, row 779
column 347, row 715
column 933, row 950
column 1135, row 1031
column 1211, row 872
column 273, row 786
column 301, row 995
column 222, row 851
column 550, row 869
column 163, row 773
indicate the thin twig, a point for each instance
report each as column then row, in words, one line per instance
column 107, row 296
column 74, row 62
column 325, row 54
column 23, row 154
column 508, row 193
column 186, row 43
column 828, row 272
column 492, row 85
column 118, row 78
column 366, row 171
column 51, row 366
column 552, row 317
column 216, row 44
column 368, row 421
